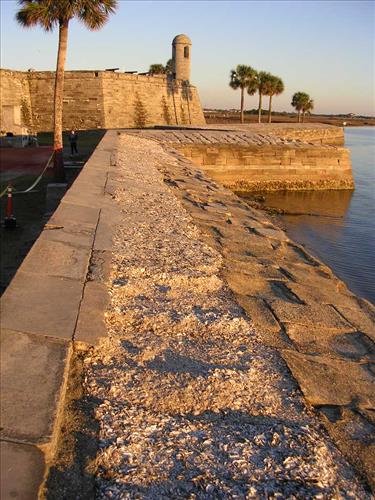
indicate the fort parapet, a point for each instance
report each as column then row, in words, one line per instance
column 96, row 99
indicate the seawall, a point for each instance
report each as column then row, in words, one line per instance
column 245, row 161
column 57, row 301
column 316, row 133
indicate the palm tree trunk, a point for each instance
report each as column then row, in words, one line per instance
column 298, row 116
column 260, row 108
column 59, row 175
column 242, row 101
column 270, row 110
column 303, row 116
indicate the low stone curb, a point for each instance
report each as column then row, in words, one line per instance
column 56, row 299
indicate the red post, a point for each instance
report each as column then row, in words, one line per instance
column 10, row 221
column 9, row 212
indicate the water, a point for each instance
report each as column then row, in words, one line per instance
column 343, row 236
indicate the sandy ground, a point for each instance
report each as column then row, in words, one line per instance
column 193, row 405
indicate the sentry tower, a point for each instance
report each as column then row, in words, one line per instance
column 181, row 52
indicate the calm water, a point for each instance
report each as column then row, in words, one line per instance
column 344, row 235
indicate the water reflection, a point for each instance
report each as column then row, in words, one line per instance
column 342, row 234
column 327, row 203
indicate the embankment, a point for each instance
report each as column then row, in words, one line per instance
column 244, row 161
column 57, row 300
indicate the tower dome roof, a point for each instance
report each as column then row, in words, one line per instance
column 181, row 39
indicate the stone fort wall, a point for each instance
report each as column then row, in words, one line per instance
column 96, row 99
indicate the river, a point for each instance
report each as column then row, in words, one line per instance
column 343, row 235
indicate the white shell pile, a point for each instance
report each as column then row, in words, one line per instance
column 192, row 405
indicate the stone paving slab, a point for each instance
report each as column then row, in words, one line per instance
column 78, row 235
column 319, row 340
column 319, row 315
column 364, row 322
column 85, row 199
column 32, row 377
column 105, row 230
column 328, row 381
column 70, row 212
column 259, row 313
column 51, row 303
column 22, row 470
column 91, row 325
column 58, row 259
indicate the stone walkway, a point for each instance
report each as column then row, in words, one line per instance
column 196, row 401
column 223, row 137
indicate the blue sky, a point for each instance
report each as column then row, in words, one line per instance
column 325, row 48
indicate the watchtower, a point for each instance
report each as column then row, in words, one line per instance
column 181, row 52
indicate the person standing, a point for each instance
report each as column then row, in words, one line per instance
column 73, row 138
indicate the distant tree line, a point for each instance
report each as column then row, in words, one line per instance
column 248, row 79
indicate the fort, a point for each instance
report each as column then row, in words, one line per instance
column 102, row 99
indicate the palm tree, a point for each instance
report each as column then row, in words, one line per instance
column 243, row 77
column 299, row 100
column 51, row 13
column 276, row 87
column 308, row 106
column 263, row 87
column 156, row 69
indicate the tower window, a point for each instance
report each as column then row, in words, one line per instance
column 186, row 52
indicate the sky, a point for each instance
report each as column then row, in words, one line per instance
column 325, row 48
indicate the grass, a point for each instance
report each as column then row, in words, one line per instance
column 87, row 142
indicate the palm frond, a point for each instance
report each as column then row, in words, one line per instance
column 94, row 13
column 34, row 13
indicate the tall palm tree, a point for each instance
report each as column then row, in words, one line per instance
column 307, row 107
column 299, row 100
column 276, row 87
column 243, row 77
column 263, row 87
column 57, row 13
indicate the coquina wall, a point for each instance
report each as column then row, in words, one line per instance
column 96, row 99
column 274, row 167
column 15, row 102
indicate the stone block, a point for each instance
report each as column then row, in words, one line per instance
column 243, row 284
column 22, row 469
column 301, row 314
column 78, row 235
column 45, row 305
column 55, row 258
column 329, row 381
column 327, row 293
column 32, row 376
column 259, row 313
column 70, row 212
column 361, row 319
column 317, row 340
column 274, row 234
column 91, row 323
